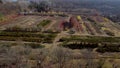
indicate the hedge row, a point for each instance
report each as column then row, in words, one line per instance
column 26, row 34
column 91, row 39
column 100, row 48
column 28, row 37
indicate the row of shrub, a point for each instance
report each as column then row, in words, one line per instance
column 21, row 29
column 108, row 48
column 28, row 37
column 26, row 34
column 100, row 48
column 80, row 46
column 90, row 39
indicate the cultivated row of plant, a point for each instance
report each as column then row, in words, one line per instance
column 90, row 39
column 102, row 48
column 28, row 37
column 109, row 48
column 96, row 25
column 21, row 29
column 103, row 44
column 25, row 34
column 80, row 45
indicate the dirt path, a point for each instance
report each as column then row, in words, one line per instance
column 60, row 35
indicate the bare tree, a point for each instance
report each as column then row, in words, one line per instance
column 60, row 56
column 89, row 57
column 41, row 6
column 14, row 56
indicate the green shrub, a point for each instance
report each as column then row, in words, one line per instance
column 44, row 23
